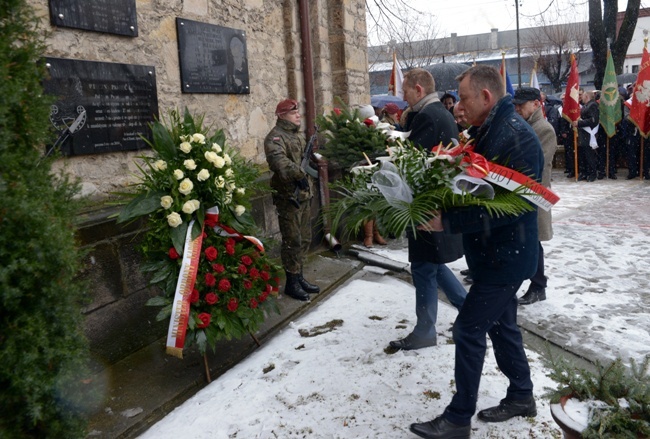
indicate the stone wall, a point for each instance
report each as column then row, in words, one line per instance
column 117, row 322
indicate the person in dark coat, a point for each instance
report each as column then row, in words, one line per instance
column 430, row 124
column 587, row 137
column 501, row 253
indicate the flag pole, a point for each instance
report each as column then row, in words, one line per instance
column 641, row 161
column 575, row 152
column 607, row 160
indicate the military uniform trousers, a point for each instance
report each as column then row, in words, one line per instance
column 295, row 227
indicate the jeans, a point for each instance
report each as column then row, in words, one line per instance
column 488, row 309
column 427, row 276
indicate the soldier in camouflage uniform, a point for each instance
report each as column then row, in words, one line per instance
column 284, row 147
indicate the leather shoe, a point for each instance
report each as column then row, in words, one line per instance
column 532, row 296
column 509, row 408
column 411, row 342
column 582, row 177
column 570, row 175
column 440, row 428
column 612, row 176
column 464, row 272
column 307, row 286
column 469, row 279
column 631, row 176
column 591, row 178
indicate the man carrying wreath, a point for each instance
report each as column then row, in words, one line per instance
column 501, row 253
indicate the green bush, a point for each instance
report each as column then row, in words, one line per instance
column 42, row 349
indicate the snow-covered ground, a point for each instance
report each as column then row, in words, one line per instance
column 329, row 374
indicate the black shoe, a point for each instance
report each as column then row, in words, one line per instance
column 532, row 296
column 440, row 428
column 310, row 288
column 612, row 176
column 509, row 408
column 293, row 288
column 411, row 342
column 582, row 177
column 600, row 176
column 591, row 178
column 570, row 175
column 468, row 279
column 631, row 176
column 464, row 272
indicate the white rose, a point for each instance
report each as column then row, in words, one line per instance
column 230, row 186
column 227, row 159
column 189, row 164
column 228, row 199
column 229, row 172
column 186, row 147
column 178, row 174
column 203, row 175
column 241, row 190
column 174, row 219
column 239, row 210
column 160, row 165
column 185, row 138
column 198, row 138
column 210, row 156
column 219, row 162
column 190, row 206
column 186, row 186
column 219, row 182
column 216, row 147
column 166, row 201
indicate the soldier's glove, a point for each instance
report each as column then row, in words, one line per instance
column 303, row 184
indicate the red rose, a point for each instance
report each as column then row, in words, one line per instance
column 211, row 253
column 246, row 260
column 337, row 111
column 173, row 254
column 265, row 275
column 263, row 296
column 204, row 235
column 269, row 288
column 230, row 242
column 230, row 249
column 194, row 296
column 211, row 220
column 248, row 284
column 224, row 285
column 211, row 298
column 242, row 269
column 219, row 268
column 205, row 320
column 232, row 305
column 253, row 303
column 254, row 273
column 210, row 280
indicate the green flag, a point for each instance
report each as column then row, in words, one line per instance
column 610, row 105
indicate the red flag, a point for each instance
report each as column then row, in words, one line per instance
column 571, row 104
column 640, row 110
column 396, row 79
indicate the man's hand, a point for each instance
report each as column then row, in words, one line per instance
column 434, row 224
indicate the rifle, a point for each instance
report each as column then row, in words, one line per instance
column 304, row 165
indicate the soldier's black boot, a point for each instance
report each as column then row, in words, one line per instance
column 293, row 288
column 309, row 287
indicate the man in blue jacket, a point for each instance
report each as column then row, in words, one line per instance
column 501, row 253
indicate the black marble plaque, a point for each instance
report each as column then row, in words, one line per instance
column 213, row 58
column 108, row 16
column 101, row 107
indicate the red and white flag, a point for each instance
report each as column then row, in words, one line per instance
column 396, row 79
column 571, row 103
column 640, row 109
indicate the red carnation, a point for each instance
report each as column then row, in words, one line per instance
column 248, row 284
column 230, row 242
column 210, row 280
column 265, row 275
column 337, row 111
column 173, row 254
column 263, row 296
column 211, row 298
column 246, row 260
column 232, row 305
column 194, row 296
column 219, row 268
column 211, row 220
column 230, row 249
column 253, row 303
column 254, row 273
column 241, row 269
column 211, row 253
column 224, row 285
column 369, row 123
column 204, row 317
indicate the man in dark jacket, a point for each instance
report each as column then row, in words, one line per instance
column 430, row 123
column 501, row 253
column 284, row 147
column 587, row 140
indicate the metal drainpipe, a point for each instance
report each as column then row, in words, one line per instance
column 310, row 115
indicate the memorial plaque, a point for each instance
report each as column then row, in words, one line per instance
column 213, row 58
column 109, row 16
column 101, row 107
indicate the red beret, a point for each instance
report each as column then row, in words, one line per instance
column 286, row 106
column 391, row 108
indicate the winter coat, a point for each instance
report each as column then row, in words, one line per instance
column 284, row 147
column 429, row 126
column 501, row 250
column 546, row 135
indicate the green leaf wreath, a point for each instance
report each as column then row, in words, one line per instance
column 190, row 171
